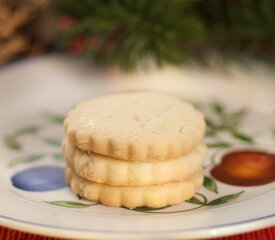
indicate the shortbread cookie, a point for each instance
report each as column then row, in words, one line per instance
column 154, row 196
column 142, row 126
column 104, row 169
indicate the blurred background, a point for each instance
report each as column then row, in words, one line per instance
column 128, row 34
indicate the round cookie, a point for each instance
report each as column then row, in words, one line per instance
column 154, row 196
column 141, row 126
column 108, row 170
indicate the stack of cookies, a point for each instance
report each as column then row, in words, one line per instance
column 134, row 149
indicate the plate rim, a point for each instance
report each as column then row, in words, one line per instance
column 193, row 233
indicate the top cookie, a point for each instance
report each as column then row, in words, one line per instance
column 141, row 126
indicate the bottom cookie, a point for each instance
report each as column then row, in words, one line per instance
column 153, row 196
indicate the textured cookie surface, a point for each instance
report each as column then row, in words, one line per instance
column 104, row 169
column 142, row 126
column 154, row 196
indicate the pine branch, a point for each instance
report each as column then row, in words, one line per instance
column 129, row 31
column 169, row 32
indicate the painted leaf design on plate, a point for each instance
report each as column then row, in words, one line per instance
column 243, row 137
column 194, row 200
column 209, row 122
column 12, row 143
column 55, row 118
column 237, row 115
column 210, row 184
column 11, row 140
column 217, row 107
column 26, row 159
column 53, row 142
column 218, row 145
column 147, row 209
column 58, row 157
column 69, row 204
column 27, row 130
column 224, row 199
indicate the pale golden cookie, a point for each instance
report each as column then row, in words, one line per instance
column 154, row 196
column 142, row 126
column 104, row 169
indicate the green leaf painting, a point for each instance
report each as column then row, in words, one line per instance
column 54, row 118
column 224, row 121
column 53, row 142
column 218, row 145
column 237, row 115
column 26, row 159
column 194, row 200
column 210, row 184
column 199, row 199
column 224, row 199
column 217, row 107
column 69, row 204
column 242, row 137
column 12, row 143
column 147, row 209
column 27, row 130
column 209, row 122
column 58, row 157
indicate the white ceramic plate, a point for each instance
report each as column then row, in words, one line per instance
column 35, row 94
